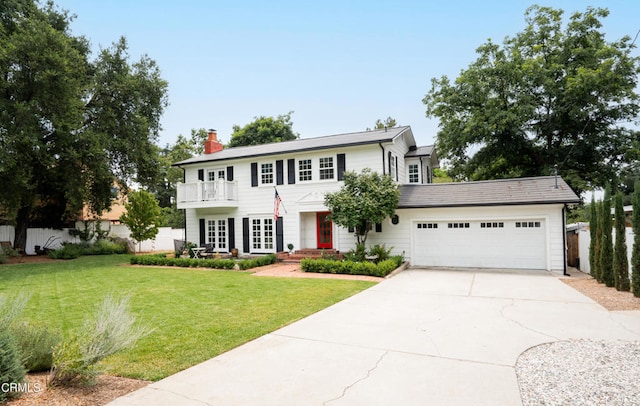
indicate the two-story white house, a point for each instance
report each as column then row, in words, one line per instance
column 229, row 200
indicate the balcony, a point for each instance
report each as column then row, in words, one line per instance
column 219, row 193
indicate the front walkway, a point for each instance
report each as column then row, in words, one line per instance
column 423, row 337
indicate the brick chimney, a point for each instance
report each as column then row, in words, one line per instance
column 212, row 144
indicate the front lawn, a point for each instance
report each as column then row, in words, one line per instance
column 195, row 314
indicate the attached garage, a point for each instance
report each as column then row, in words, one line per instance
column 511, row 223
column 495, row 243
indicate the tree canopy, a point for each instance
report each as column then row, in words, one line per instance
column 554, row 94
column 365, row 199
column 389, row 122
column 69, row 126
column 142, row 216
column 264, row 130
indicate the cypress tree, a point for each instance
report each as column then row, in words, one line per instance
column 635, row 251
column 620, row 262
column 593, row 245
column 598, row 248
column 606, row 253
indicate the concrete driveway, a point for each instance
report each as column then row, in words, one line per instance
column 423, row 337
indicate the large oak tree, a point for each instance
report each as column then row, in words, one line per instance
column 556, row 93
column 263, row 130
column 70, row 127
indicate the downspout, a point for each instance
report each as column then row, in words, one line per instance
column 564, row 241
column 184, row 180
column 382, row 148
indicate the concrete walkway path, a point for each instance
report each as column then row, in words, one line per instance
column 424, row 337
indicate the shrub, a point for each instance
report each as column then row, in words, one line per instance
column 36, row 343
column 381, row 269
column 112, row 329
column 11, row 369
column 380, row 252
column 68, row 251
column 205, row 263
column 105, row 246
column 10, row 309
column 357, row 255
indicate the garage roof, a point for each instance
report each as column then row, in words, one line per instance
column 538, row 190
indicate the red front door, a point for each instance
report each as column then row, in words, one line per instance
column 323, row 227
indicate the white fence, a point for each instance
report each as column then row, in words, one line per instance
column 50, row 238
column 584, row 240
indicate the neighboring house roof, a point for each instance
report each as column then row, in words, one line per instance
column 305, row 144
column 539, row 190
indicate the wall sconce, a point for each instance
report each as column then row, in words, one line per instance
column 395, row 219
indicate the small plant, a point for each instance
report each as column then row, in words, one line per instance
column 380, row 252
column 36, row 343
column 357, row 255
column 112, row 329
column 11, row 369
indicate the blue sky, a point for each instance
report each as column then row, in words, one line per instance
column 339, row 65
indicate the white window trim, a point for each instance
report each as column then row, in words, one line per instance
column 217, row 246
column 299, row 171
column 263, row 246
column 261, row 173
column 333, row 168
column 417, row 165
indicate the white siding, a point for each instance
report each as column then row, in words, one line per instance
column 399, row 236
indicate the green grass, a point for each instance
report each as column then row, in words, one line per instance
column 195, row 314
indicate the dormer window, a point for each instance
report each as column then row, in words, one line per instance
column 414, row 173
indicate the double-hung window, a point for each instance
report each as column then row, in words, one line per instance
column 266, row 173
column 326, row 168
column 414, row 174
column 304, row 170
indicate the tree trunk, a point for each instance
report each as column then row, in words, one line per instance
column 22, row 223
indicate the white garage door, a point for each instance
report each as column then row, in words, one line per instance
column 513, row 243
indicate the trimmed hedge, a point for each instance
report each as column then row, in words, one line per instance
column 203, row 263
column 381, row 269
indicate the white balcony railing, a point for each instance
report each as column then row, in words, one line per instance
column 209, row 192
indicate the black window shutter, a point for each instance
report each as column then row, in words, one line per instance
column 254, row 174
column 389, row 163
column 203, row 233
column 200, row 174
column 279, row 235
column 231, row 225
column 291, row 171
column 229, row 173
column 245, row 234
column 341, row 166
column 279, row 172
column 351, row 230
column 378, row 227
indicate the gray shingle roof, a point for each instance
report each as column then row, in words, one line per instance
column 305, row 144
column 539, row 190
column 421, row 151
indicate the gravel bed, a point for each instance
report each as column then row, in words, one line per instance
column 580, row 372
